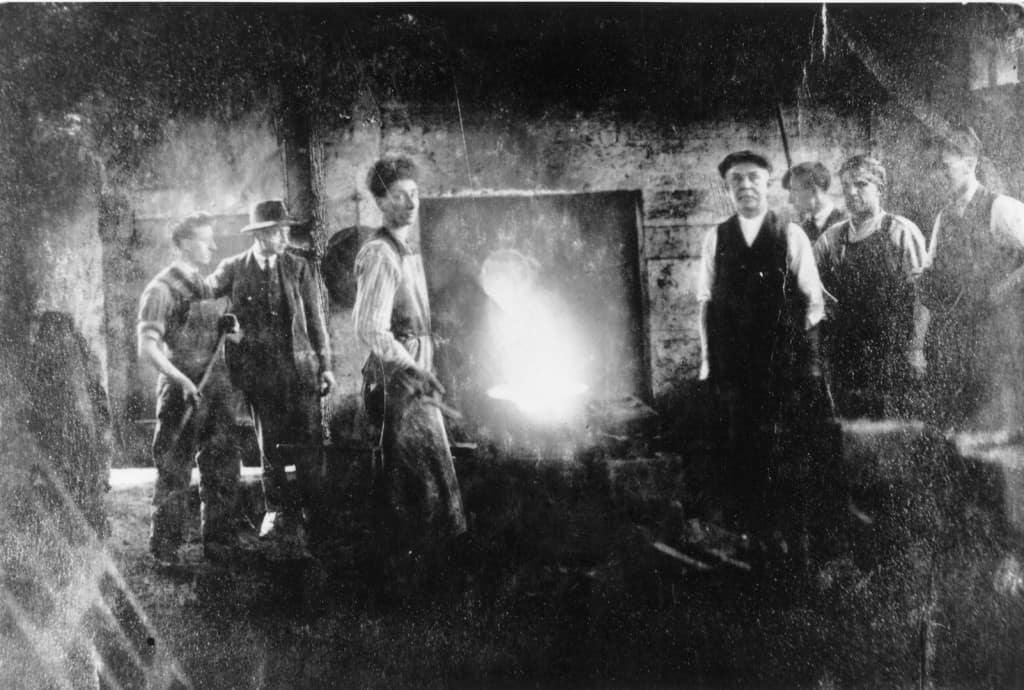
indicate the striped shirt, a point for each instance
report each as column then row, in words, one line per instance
column 379, row 273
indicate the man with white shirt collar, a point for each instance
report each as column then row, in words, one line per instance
column 281, row 363
column 177, row 335
column 808, row 185
column 760, row 304
column 976, row 264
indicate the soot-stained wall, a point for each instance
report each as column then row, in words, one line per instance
column 222, row 169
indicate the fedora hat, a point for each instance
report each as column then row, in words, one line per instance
column 268, row 214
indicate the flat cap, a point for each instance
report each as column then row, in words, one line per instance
column 744, row 156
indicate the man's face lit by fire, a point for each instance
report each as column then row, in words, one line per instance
column 748, row 188
column 401, row 204
column 199, row 248
column 272, row 240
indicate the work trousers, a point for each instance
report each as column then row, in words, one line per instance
column 418, row 505
column 205, row 438
column 286, row 418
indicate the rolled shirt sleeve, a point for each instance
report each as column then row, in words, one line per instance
column 906, row 237
column 154, row 305
column 377, row 278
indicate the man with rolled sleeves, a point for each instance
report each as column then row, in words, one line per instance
column 972, row 289
column 808, row 185
column 760, row 304
column 281, row 363
column 177, row 335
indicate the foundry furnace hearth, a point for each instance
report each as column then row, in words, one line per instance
column 537, row 302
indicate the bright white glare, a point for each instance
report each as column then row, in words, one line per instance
column 539, row 358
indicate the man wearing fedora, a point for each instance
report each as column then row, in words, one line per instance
column 281, row 363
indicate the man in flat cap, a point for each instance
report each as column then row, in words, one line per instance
column 760, row 303
column 871, row 264
column 972, row 289
column 808, row 185
column 281, row 363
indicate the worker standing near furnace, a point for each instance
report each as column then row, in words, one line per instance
column 760, row 304
column 419, row 505
column 871, row 263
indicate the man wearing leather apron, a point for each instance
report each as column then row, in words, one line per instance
column 417, row 492
column 871, row 264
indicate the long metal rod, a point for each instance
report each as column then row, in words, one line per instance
column 782, row 131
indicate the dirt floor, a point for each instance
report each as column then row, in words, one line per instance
column 529, row 607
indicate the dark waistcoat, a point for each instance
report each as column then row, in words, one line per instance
column 263, row 314
column 265, row 318
column 814, row 232
column 968, row 260
column 189, row 332
column 755, row 315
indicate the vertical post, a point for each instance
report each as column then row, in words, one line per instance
column 305, row 181
column 117, row 233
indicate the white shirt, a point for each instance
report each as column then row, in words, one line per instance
column 1007, row 222
column 262, row 259
column 750, row 227
column 821, row 216
column 799, row 260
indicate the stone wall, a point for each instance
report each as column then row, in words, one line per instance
column 673, row 167
column 222, row 169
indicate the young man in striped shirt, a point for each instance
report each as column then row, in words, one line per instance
column 417, row 492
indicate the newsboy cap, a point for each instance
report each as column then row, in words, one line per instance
column 268, row 214
column 744, row 156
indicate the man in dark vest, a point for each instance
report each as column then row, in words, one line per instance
column 417, row 493
column 760, row 304
column 281, row 363
column 177, row 335
column 808, row 185
column 972, row 289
